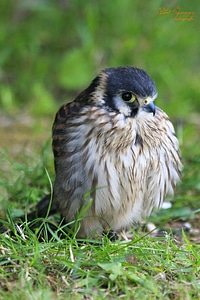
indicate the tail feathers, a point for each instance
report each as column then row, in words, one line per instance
column 43, row 209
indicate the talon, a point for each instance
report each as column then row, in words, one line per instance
column 111, row 234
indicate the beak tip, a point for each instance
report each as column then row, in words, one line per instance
column 150, row 107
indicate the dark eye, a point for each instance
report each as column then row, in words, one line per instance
column 128, row 97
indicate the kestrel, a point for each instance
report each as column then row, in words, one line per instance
column 116, row 154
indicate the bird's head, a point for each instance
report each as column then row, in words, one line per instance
column 124, row 90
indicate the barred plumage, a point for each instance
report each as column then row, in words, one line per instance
column 112, row 144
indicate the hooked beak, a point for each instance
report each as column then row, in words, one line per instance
column 149, row 106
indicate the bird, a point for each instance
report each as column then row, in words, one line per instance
column 116, row 154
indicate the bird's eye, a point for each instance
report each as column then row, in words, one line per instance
column 128, row 97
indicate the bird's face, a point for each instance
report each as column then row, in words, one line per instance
column 124, row 90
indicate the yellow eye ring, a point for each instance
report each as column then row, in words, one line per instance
column 128, row 97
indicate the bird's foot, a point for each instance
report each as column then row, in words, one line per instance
column 111, row 235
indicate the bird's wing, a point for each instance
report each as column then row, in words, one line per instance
column 71, row 180
column 61, row 125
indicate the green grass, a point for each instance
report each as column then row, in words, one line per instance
column 160, row 268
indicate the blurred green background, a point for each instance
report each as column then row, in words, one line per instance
column 50, row 50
